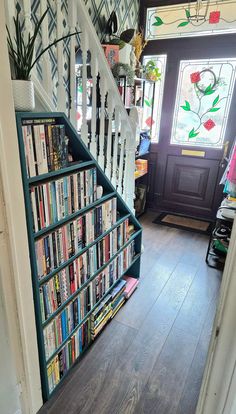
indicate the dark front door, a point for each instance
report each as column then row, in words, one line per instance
column 198, row 124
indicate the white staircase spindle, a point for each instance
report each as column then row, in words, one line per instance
column 84, row 47
column 94, row 72
column 72, row 9
column 110, row 108
column 129, row 171
column 121, row 158
column 115, row 147
column 27, row 16
column 61, row 95
column 45, row 60
column 103, row 91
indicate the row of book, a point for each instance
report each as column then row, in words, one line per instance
column 107, row 308
column 81, row 339
column 59, row 365
column 67, row 320
column 54, row 200
column 66, row 282
column 58, row 246
column 46, row 146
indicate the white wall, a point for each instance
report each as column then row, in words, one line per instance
column 219, row 383
column 9, row 398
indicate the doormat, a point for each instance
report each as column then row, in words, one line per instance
column 184, row 223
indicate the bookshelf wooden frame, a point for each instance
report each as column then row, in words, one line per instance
column 85, row 160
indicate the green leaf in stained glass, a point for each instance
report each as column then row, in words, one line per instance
column 147, row 103
column 187, row 12
column 214, row 109
column 186, row 107
column 193, row 134
column 158, row 21
column 216, row 100
column 183, row 24
column 209, row 90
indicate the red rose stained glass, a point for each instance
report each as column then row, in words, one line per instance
column 214, row 17
column 209, row 124
column 149, row 121
column 195, row 77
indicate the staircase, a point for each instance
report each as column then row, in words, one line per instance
column 111, row 134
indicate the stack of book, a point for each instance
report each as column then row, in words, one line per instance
column 131, row 285
column 107, row 309
column 46, row 146
column 57, row 199
column 118, row 298
column 66, row 241
column 100, row 316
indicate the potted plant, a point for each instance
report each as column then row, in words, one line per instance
column 123, row 69
column 21, row 52
column 152, row 72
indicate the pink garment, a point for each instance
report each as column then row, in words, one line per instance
column 232, row 167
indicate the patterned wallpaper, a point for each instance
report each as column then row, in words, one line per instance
column 127, row 14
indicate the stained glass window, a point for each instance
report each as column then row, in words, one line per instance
column 203, row 101
column 151, row 118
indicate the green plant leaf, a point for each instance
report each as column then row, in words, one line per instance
column 158, row 21
column 214, row 109
column 183, row 24
column 127, row 35
column 186, row 107
column 193, row 134
column 187, row 12
column 209, row 90
column 216, row 100
column 147, row 103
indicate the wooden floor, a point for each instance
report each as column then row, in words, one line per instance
column 151, row 358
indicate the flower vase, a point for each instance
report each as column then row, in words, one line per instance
column 23, row 95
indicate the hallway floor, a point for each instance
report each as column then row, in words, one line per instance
column 150, row 358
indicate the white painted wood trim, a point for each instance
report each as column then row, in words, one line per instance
column 219, row 381
column 21, row 319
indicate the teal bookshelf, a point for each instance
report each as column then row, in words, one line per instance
column 71, row 343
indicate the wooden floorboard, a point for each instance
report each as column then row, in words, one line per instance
column 151, row 358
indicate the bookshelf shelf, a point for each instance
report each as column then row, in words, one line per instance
column 62, row 171
column 82, row 246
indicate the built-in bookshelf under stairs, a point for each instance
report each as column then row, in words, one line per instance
column 83, row 242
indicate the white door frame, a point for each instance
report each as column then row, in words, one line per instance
column 218, row 389
column 14, row 254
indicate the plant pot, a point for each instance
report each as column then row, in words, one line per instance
column 23, row 95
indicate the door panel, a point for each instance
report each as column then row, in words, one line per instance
column 190, row 182
column 186, row 184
